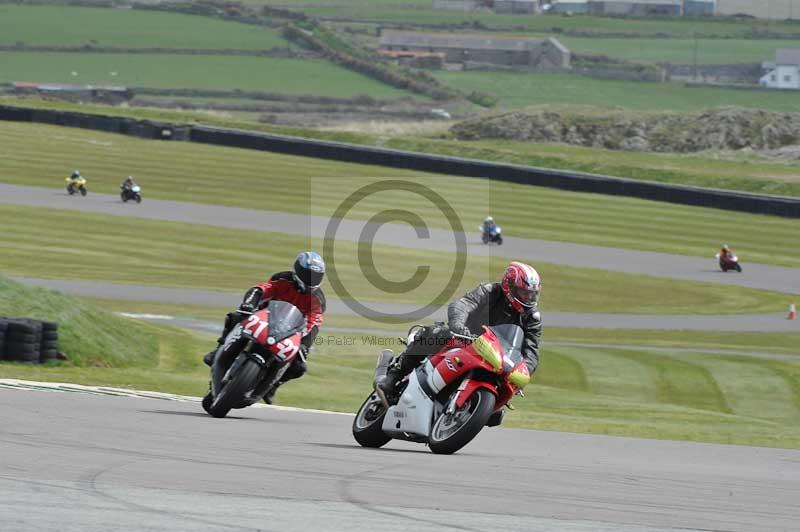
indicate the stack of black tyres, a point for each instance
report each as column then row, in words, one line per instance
column 27, row 340
column 48, row 348
column 22, row 341
column 3, row 326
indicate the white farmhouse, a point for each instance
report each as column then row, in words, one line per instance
column 784, row 72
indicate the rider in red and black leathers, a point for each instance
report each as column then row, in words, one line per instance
column 299, row 287
column 513, row 300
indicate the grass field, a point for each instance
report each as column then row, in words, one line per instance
column 42, row 155
column 420, row 12
column 128, row 28
column 265, row 74
column 204, row 257
column 680, row 51
column 522, row 89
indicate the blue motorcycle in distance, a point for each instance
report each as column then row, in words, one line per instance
column 493, row 236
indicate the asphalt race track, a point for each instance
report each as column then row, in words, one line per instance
column 96, row 463
column 767, row 277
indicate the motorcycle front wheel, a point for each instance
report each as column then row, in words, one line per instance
column 138, row 198
column 83, row 191
column 368, row 422
column 233, row 392
column 453, row 431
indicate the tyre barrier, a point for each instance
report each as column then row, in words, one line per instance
column 28, row 340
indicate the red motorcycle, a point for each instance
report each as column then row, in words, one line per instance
column 729, row 262
column 254, row 357
column 447, row 400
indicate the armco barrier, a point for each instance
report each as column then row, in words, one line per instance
column 573, row 181
column 528, row 175
column 112, row 124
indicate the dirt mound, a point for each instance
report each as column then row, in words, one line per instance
column 719, row 129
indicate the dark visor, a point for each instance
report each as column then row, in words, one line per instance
column 525, row 296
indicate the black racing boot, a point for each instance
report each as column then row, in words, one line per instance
column 396, row 371
column 208, row 359
column 270, row 396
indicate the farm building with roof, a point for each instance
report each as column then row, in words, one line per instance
column 637, row 8
column 784, row 72
column 489, row 49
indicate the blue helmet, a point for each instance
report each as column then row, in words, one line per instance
column 309, row 269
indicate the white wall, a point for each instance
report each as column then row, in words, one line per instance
column 783, row 77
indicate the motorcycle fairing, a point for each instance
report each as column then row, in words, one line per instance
column 413, row 413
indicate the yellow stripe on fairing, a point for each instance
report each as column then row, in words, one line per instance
column 519, row 378
column 488, row 352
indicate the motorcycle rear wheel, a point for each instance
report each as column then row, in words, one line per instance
column 232, row 394
column 367, row 426
column 453, row 431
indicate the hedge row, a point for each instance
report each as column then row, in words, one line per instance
column 371, row 69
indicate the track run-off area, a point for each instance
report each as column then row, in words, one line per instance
column 94, row 462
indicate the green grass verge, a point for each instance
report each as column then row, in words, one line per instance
column 266, row 74
column 40, row 155
column 205, row 257
column 129, row 28
column 517, row 89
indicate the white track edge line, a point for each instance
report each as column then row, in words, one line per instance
column 17, row 384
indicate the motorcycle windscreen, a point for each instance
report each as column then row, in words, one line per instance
column 284, row 319
column 510, row 337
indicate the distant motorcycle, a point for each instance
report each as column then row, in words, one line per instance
column 729, row 263
column 448, row 400
column 133, row 193
column 254, row 357
column 76, row 185
column 492, row 237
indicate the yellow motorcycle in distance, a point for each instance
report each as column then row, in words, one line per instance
column 75, row 185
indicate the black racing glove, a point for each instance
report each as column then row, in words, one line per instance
column 251, row 299
column 247, row 307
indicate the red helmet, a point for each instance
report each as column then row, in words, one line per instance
column 521, row 285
